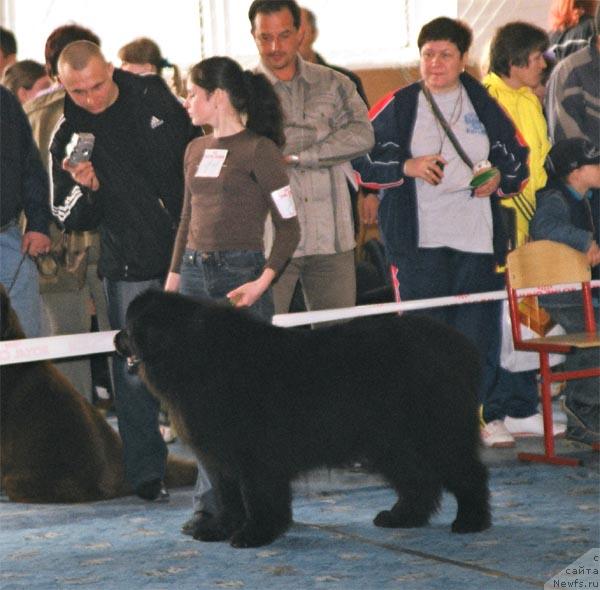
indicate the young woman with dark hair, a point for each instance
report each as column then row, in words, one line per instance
column 234, row 178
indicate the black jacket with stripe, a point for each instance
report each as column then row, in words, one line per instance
column 138, row 204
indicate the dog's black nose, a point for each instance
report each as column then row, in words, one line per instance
column 121, row 342
column 123, row 349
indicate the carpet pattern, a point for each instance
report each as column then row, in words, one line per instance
column 544, row 518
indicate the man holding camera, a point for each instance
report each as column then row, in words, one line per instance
column 129, row 184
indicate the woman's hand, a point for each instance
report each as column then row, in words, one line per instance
column 593, row 254
column 172, row 282
column 427, row 168
column 369, row 206
column 490, row 187
column 249, row 293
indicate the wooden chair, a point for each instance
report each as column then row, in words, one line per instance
column 543, row 264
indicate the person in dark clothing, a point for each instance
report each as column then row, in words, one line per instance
column 23, row 187
column 132, row 190
column 571, row 29
column 568, row 211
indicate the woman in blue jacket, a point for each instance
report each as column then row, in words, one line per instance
column 443, row 236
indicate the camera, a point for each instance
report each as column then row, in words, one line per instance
column 79, row 149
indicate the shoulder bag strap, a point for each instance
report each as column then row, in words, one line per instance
column 440, row 117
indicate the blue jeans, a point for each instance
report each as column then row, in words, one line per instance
column 440, row 272
column 144, row 451
column 212, row 275
column 25, row 292
column 510, row 394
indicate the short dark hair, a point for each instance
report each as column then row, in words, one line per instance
column 22, row 74
column 8, row 42
column 59, row 39
column 512, row 45
column 270, row 6
column 446, row 29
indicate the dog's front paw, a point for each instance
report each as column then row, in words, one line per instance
column 251, row 535
column 210, row 529
column 473, row 524
column 387, row 519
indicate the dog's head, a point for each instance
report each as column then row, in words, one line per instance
column 161, row 326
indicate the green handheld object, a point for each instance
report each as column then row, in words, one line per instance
column 483, row 176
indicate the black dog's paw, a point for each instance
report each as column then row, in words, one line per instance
column 473, row 524
column 210, row 530
column 387, row 519
column 251, row 535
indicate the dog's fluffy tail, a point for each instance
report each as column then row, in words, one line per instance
column 180, row 472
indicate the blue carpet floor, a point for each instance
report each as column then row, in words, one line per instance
column 544, row 518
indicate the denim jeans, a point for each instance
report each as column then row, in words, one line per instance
column 439, row 272
column 212, row 275
column 25, row 292
column 510, row 394
column 144, row 451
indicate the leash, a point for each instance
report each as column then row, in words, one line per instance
column 16, row 275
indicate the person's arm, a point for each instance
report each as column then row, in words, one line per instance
column 270, row 174
column 35, row 192
column 508, row 151
column 551, row 222
column 249, row 293
column 383, row 166
column 75, row 205
column 351, row 133
column 172, row 282
column 565, row 104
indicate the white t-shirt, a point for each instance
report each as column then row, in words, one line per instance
column 448, row 215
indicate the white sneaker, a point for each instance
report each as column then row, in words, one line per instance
column 495, row 435
column 531, row 426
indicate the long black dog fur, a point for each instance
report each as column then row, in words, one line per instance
column 261, row 404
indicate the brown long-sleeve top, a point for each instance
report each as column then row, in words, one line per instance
column 228, row 212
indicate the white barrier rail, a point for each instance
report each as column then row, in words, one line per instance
column 56, row 347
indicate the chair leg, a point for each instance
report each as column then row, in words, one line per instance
column 548, row 456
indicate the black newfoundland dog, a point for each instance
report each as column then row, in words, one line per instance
column 261, row 404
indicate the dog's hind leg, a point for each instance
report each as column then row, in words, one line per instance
column 418, row 497
column 268, row 510
column 470, row 486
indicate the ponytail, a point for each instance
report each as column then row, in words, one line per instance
column 249, row 93
column 263, row 107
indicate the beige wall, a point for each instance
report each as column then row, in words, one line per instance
column 379, row 81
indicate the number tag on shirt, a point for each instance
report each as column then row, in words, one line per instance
column 211, row 163
column 284, row 201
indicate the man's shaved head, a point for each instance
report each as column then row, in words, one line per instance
column 78, row 54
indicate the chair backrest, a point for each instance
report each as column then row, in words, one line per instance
column 543, row 263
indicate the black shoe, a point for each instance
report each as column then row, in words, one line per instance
column 153, row 491
column 189, row 526
column 583, row 435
